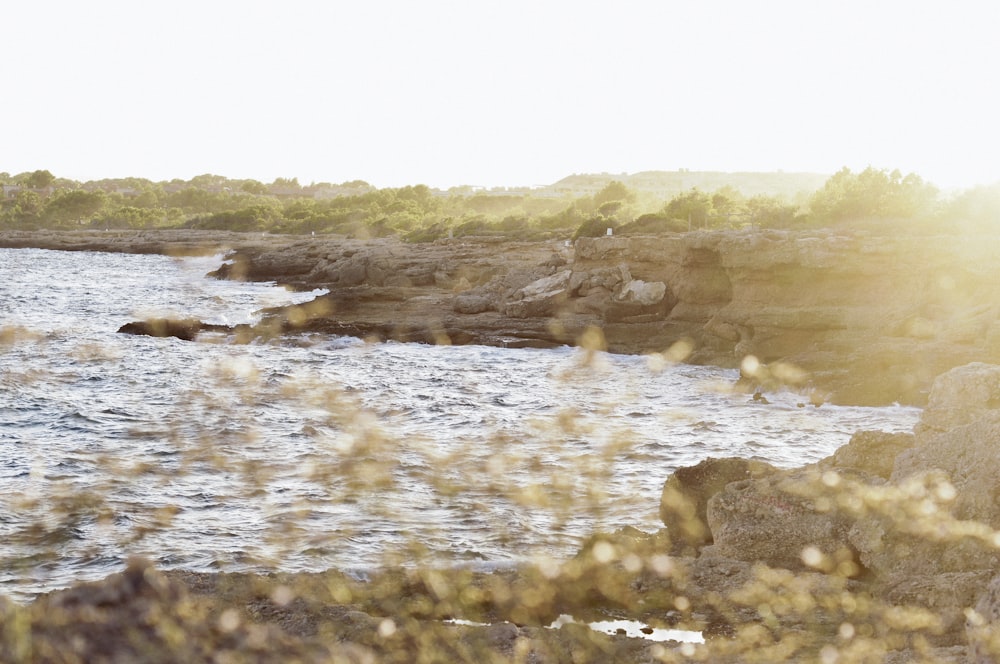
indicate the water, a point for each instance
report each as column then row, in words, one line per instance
column 309, row 453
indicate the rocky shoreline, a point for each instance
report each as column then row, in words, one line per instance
column 887, row 551
column 847, row 316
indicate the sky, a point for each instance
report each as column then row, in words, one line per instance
column 498, row 93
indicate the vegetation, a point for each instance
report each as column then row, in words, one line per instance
column 39, row 199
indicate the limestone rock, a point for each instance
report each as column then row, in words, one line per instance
column 775, row 519
column 469, row 303
column 642, row 293
column 685, row 496
column 983, row 626
column 959, row 435
column 960, row 395
column 540, row 298
column 870, row 316
column 940, row 511
column 873, row 452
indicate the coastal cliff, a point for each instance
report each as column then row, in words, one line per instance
column 847, row 316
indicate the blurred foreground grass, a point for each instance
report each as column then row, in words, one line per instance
column 824, row 606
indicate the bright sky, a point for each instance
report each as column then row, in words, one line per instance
column 498, row 93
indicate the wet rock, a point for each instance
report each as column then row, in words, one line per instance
column 185, row 329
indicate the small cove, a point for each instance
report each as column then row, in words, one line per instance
column 309, row 453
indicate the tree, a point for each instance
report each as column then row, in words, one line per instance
column 254, row 187
column 694, row 206
column 292, row 183
column 873, row 193
column 39, row 179
column 207, row 180
column 27, row 207
column 74, row 206
column 614, row 191
column 771, row 212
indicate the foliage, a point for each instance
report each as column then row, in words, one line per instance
column 614, row 191
column 419, row 214
column 595, row 227
column 652, row 224
column 694, row 206
column 772, row 212
column 979, row 206
column 873, row 193
column 39, row 179
column 74, row 207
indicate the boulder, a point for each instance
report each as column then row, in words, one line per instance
column 788, row 519
column 471, row 303
column 540, row 298
column 939, row 513
column 685, row 496
column 641, row 293
column 873, row 452
column 961, row 395
column 186, row 329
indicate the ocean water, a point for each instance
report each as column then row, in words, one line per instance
column 306, row 453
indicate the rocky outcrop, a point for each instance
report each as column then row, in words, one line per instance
column 913, row 518
column 685, row 496
column 933, row 538
column 856, row 318
column 850, row 316
column 186, row 329
column 870, row 319
column 788, row 520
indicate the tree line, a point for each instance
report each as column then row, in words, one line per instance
column 874, row 197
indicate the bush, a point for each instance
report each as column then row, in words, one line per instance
column 653, row 224
column 595, row 227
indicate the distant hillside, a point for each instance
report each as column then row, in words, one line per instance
column 667, row 184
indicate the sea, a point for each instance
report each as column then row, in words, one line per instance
column 310, row 452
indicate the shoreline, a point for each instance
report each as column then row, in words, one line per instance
column 880, row 552
column 839, row 316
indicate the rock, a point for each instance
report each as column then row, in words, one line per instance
column 788, row 519
column 906, row 531
column 473, row 304
column 938, row 514
column 540, row 298
column 947, row 596
column 642, row 293
column 139, row 615
column 685, row 496
column 502, row 634
column 869, row 319
column 873, row 452
column 961, row 395
column 185, row 329
column 983, row 626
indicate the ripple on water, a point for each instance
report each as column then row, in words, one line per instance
column 333, row 452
